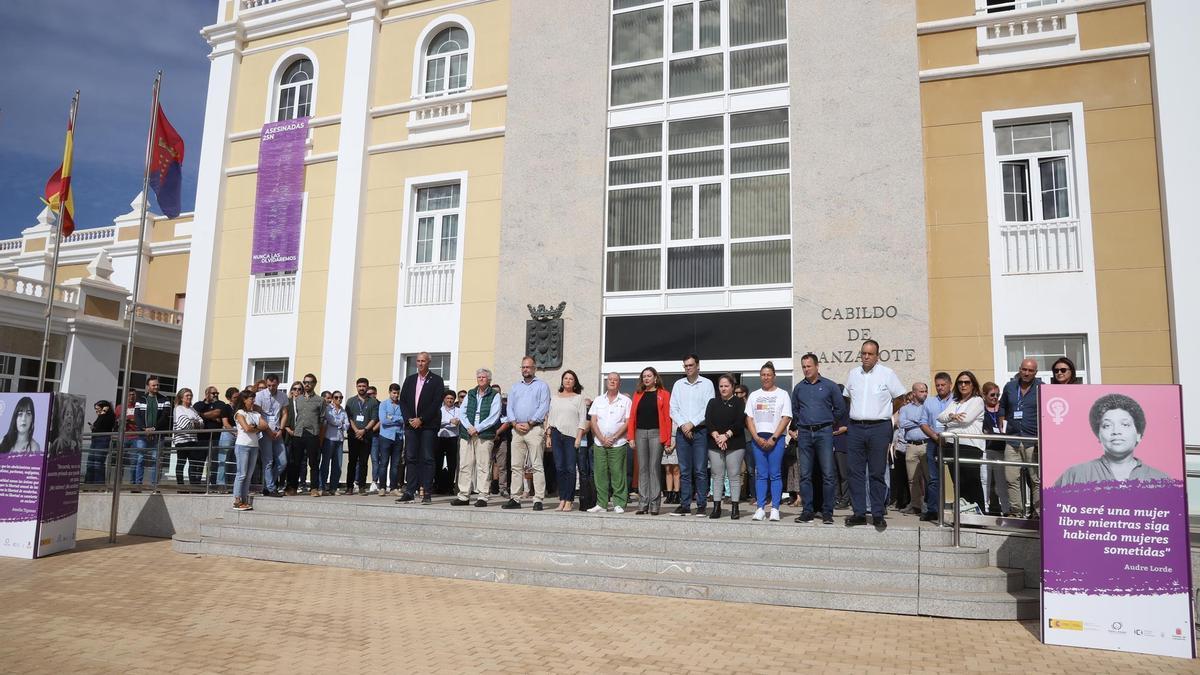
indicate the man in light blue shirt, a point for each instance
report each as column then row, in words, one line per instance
column 912, row 416
column 387, row 460
column 528, row 405
column 934, row 405
column 689, row 401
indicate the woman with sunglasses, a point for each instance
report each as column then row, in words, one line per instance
column 333, row 435
column 964, row 415
column 995, row 488
column 1063, row 371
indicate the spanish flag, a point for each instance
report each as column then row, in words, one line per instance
column 58, row 188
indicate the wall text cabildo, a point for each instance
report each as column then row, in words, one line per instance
column 858, row 332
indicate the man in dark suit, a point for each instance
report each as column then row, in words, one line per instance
column 421, row 397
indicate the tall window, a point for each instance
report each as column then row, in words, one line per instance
column 437, row 216
column 1045, row 349
column 446, row 62
column 295, row 91
column 699, row 203
column 699, row 59
column 1036, row 171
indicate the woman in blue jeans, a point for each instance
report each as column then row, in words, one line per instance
column 567, row 421
column 249, row 425
column 333, row 435
column 768, row 413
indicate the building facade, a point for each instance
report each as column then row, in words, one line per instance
column 969, row 182
column 405, row 104
column 92, row 304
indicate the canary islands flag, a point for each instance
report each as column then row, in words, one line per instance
column 166, row 162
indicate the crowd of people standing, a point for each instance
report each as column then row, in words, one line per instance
column 867, row 444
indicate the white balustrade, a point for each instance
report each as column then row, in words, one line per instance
column 251, row 4
column 1041, row 247
column 11, row 244
column 12, row 284
column 91, row 234
column 438, row 111
column 274, row 294
column 431, row 284
column 1005, row 28
column 159, row 315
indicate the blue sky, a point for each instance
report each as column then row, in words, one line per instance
column 109, row 50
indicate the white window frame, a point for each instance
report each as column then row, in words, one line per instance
column 446, row 376
column 1032, row 162
column 668, row 55
column 421, row 48
column 439, row 233
column 724, row 179
column 252, row 368
column 15, row 378
column 1080, row 372
column 274, row 83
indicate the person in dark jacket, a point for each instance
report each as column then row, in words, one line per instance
column 152, row 412
column 101, row 441
column 725, row 421
column 421, row 397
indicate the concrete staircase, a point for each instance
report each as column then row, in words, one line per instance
column 908, row 569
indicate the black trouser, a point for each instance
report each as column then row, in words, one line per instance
column 444, row 479
column 357, row 452
column 898, row 495
column 843, row 473
column 972, row 486
column 307, row 446
column 418, row 459
column 192, row 453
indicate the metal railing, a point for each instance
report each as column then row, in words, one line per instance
column 275, row 294
column 1039, row 247
column 431, row 283
column 959, row 461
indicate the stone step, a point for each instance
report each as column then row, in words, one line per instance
column 858, row 597
column 594, row 558
column 971, row 580
column 788, row 549
column 901, row 530
column 1021, row 604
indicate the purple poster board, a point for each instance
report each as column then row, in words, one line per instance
column 1116, row 571
column 24, row 420
column 279, row 200
column 59, row 503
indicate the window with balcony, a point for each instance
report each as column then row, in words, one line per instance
column 668, row 50
column 294, row 97
column 700, row 203
column 1040, row 226
column 273, row 293
column 436, row 218
column 1016, row 29
column 1046, row 349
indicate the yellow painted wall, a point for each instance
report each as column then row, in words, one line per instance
column 397, row 47
column 166, row 275
column 1126, row 222
column 1112, row 27
column 951, row 48
column 255, row 88
column 381, row 251
column 932, row 10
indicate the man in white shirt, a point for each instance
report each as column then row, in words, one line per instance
column 689, row 401
column 610, row 420
column 875, row 393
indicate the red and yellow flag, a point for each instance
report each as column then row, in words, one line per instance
column 58, row 188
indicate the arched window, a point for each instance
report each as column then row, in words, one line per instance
column 295, row 91
column 446, row 62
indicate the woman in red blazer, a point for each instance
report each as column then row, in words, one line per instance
column 649, row 432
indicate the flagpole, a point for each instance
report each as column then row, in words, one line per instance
column 52, row 281
column 137, row 278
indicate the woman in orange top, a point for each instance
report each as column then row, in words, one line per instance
column 649, row 431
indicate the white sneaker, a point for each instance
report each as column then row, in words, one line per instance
column 758, row 515
column 596, row 509
column 374, row 487
column 618, row 509
column 774, row 514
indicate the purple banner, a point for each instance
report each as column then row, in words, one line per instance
column 279, row 200
column 24, row 419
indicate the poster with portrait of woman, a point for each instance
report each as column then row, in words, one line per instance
column 1116, row 571
column 24, row 420
column 59, row 502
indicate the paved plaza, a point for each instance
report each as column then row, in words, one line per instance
column 139, row 607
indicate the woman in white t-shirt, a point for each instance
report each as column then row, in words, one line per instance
column 768, row 413
column 249, row 423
